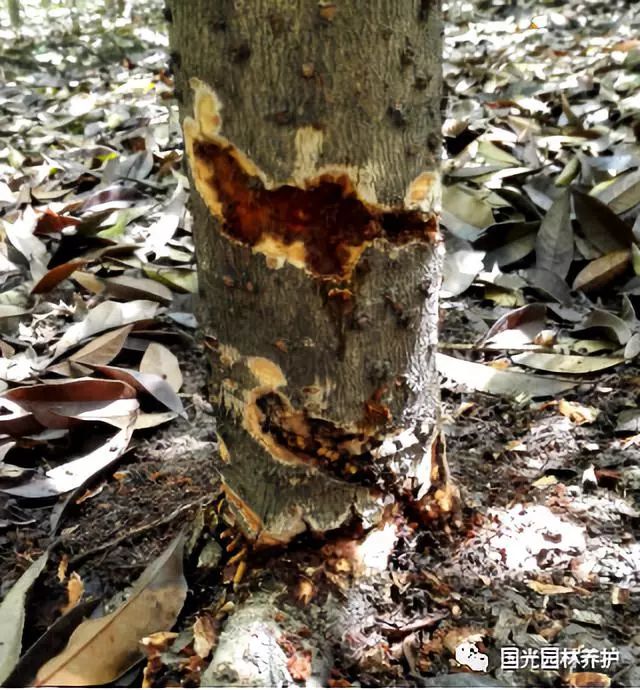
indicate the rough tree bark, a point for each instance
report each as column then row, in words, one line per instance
column 312, row 138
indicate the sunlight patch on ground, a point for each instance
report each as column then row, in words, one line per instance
column 521, row 537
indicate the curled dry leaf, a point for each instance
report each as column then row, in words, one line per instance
column 61, row 405
column 103, row 317
column 16, row 421
column 75, row 473
column 54, row 276
column 101, row 649
column 602, row 323
column 51, row 223
column 528, row 321
column 146, row 383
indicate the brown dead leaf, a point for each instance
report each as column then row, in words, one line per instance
column 61, row 405
column 554, row 243
column 101, row 649
column 547, row 588
column 16, row 421
column 600, row 272
column 490, row 380
column 529, row 319
column 89, row 281
column 145, row 383
column 127, row 287
column 51, row 223
column 55, row 276
column 75, row 590
column 601, row 226
column 104, row 348
column 204, row 635
column 588, row 679
column 103, row 317
column 577, row 413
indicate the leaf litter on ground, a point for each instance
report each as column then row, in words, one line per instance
column 101, row 649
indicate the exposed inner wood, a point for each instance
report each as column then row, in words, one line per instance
column 343, row 454
column 327, row 221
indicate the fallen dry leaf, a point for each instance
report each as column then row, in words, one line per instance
column 600, row 272
column 159, row 360
column 101, row 649
column 204, row 635
column 577, row 413
column 104, row 348
column 512, row 383
column 61, row 405
column 75, row 590
column 12, row 615
column 588, row 679
column 103, row 317
column 72, row 474
column 145, row 383
column 565, row 364
column 54, row 276
column 547, row 588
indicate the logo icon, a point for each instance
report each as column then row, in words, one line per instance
column 467, row 654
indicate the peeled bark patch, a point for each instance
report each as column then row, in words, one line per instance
column 323, row 225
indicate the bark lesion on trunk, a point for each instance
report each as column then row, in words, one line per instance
column 287, row 490
column 320, row 220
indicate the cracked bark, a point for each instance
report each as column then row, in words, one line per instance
column 312, row 137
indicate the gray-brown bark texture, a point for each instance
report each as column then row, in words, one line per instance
column 312, row 137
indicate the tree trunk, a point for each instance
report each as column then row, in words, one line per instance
column 312, row 137
column 14, row 14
